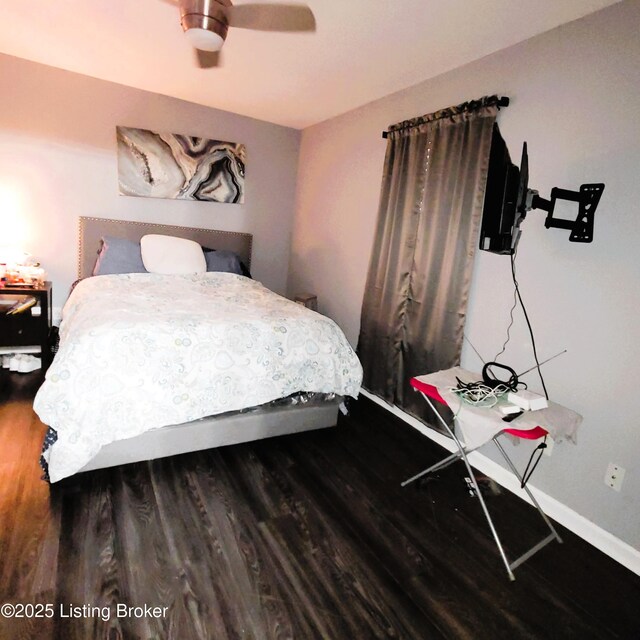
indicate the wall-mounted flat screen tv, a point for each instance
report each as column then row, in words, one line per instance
column 505, row 193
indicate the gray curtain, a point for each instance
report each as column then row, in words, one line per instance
column 417, row 289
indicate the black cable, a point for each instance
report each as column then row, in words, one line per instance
column 490, row 379
column 526, row 317
column 527, row 474
column 511, row 321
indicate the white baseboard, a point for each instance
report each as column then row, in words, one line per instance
column 606, row 542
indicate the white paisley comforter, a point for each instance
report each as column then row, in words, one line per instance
column 142, row 351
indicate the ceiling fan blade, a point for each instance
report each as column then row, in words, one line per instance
column 208, row 59
column 272, row 17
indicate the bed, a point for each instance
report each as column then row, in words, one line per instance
column 153, row 365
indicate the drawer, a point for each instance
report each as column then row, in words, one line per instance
column 22, row 329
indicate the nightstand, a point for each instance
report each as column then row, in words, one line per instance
column 30, row 327
column 308, row 300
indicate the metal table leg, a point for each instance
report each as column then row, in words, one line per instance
column 463, row 455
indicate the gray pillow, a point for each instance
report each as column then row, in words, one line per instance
column 226, row 261
column 118, row 255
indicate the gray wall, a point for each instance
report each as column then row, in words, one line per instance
column 574, row 92
column 58, row 162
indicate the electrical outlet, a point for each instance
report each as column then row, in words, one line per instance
column 614, row 476
column 549, row 448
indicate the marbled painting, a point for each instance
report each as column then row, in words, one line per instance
column 168, row 165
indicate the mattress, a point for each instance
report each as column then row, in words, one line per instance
column 143, row 351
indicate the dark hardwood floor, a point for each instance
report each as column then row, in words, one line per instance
column 305, row 536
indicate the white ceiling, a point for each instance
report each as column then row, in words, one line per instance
column 361, row 50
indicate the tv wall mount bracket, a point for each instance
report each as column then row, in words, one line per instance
column 587, row 198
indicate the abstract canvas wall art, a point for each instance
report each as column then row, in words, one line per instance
column 168, row 165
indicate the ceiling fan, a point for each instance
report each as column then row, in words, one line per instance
column 206, row 22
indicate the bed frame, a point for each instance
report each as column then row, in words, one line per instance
column 214, row 431
column 93, row 229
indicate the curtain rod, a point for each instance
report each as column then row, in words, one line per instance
column 501, row 102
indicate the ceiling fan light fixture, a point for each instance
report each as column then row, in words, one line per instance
column 204, row 39
column 204, row 23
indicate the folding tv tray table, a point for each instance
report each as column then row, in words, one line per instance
column 479, row 425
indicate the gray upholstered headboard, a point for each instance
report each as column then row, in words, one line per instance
column 93, row 229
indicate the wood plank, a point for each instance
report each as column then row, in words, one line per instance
column 28, row 526
column 88, row 567
column 329, row 562
column 263, row 593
